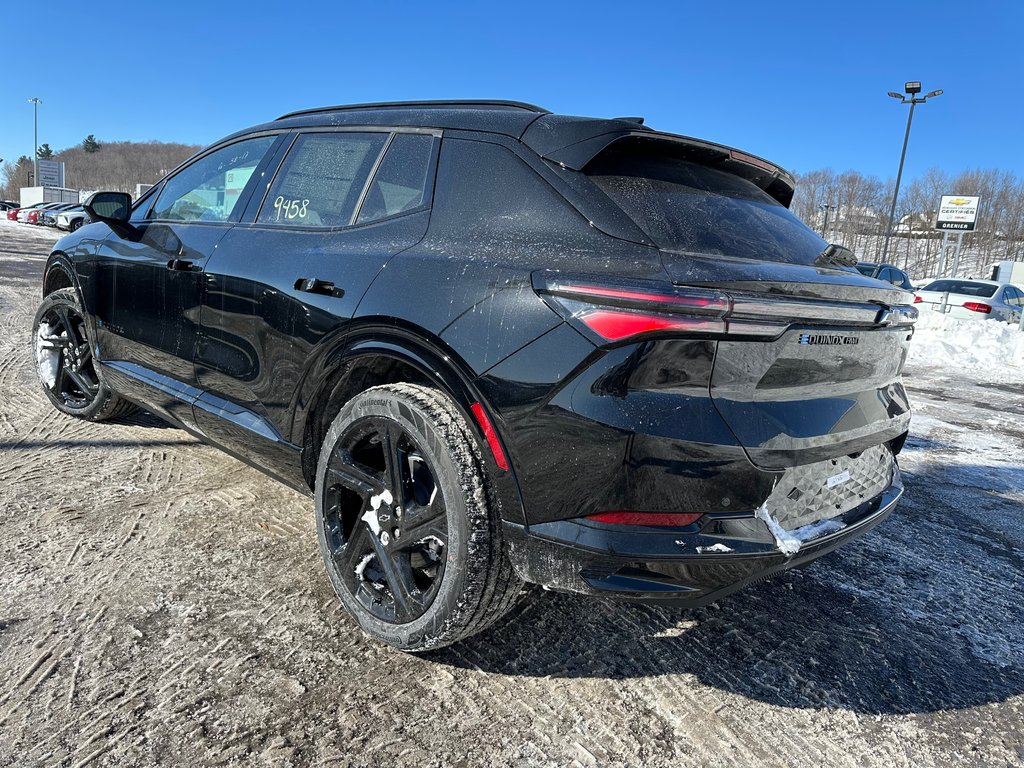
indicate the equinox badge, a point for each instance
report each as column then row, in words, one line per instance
column 825, row 338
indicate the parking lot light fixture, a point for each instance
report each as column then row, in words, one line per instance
column 911, row 87
column 35, row 137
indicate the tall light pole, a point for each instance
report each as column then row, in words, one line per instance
column 912, row 89
column 827, row 207
column 35, row 139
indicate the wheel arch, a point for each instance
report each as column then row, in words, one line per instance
column 59, row 273
column 386, row 351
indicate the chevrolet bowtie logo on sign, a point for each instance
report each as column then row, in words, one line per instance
column 825, row 338
column 957, row 212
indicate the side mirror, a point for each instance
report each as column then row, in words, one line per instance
column 113, row 209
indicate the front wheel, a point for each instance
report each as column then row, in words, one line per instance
column 65, row 364
column 411, row 542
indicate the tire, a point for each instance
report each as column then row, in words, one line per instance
column 65, row 365
column 74, row 225
column 403, row 455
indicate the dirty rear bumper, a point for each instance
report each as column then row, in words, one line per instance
column 688, row 567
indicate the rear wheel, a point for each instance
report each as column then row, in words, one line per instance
column 411, row 542
column 65, row 364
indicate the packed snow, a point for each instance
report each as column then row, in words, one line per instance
column 984, row 349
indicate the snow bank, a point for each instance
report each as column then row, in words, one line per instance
column 987, row 349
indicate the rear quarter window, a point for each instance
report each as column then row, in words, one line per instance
column 487, row 196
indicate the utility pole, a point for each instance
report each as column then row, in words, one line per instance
column 827, row 206
column 912, row 88
column 35, row 137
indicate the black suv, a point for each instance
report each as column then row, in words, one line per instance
column 886, row 272
column 497, row 345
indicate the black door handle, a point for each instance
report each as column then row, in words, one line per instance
column 182, row 265
column 315, row 285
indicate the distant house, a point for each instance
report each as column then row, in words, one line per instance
column 917, row 224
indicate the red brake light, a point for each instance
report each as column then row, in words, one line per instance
column 658, row 519
column 918, row 299
column 615, row 325
column 976, row 306
column 754, row 161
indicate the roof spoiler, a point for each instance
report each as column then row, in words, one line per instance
column 577, row 149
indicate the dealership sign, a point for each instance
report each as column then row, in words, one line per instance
column 957, row 212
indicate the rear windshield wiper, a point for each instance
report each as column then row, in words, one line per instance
column 836, row 256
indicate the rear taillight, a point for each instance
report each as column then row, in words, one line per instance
column 612, row 310
column 918, row 299
column 616, row 310
column 977, row 306
column 657, row 519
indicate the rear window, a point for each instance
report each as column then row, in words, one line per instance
column 964, row 287
column 691, row 208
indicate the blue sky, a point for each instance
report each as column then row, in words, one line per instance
column 803, row 84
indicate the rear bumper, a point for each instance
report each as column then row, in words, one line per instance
column 688, row 567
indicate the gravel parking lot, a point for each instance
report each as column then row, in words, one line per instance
column 162, row 603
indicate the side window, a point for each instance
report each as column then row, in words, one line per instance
column 321, row 179
column 896, row 277
column 885, row 274
column 1012, row 296
column 400, row 182
column 209, row 188
column 141, row 210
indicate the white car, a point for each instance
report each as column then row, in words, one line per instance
column 72, row 218
column 985, row 299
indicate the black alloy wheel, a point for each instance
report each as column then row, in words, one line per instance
column 386, row 521
column 410, row 537
column 65, row 364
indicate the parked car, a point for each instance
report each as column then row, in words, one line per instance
column 22, row 214
column 49, row 216
column 72, row 218
column 36, row 216
column 497, row 345
column 985, row 299
column 887, row 272
column 6, row 206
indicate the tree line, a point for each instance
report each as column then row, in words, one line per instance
column 94, row 165
column 857, row 210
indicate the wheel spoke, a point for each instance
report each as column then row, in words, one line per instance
column 419, row 523
column 353, row 475
column 394, row 457
column 60, row 378
column 398, row 574
column 349, row 554
column 65, row 323
column 85, row 386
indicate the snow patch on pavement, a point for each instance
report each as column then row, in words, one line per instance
column 987, row 349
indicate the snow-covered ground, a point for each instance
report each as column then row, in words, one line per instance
column 164, row 604
column 984, row 350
